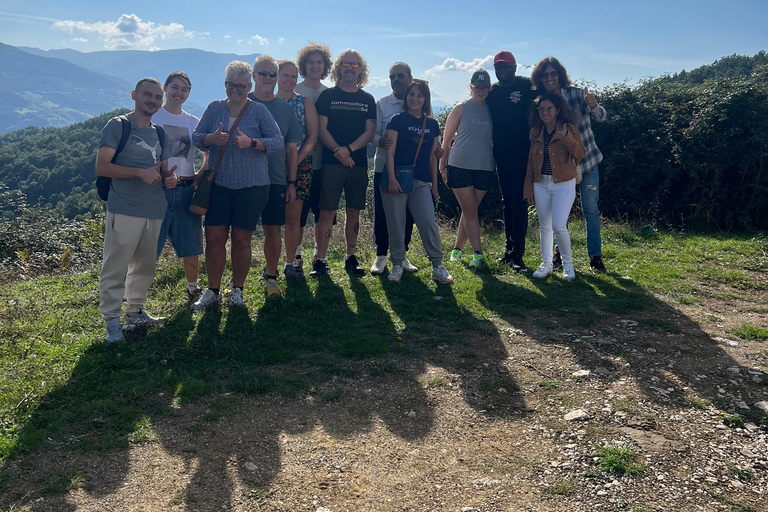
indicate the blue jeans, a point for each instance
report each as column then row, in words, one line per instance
column 589, row 189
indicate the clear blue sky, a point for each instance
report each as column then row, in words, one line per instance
column 599, row 42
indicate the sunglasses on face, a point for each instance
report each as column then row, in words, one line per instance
column 552, row 74
column 545, row 109
column 399, row 76
column 234, row 86
column 270, row 74
column 353, row 65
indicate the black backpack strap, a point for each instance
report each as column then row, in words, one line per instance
column 126, row 126
column 160, row 136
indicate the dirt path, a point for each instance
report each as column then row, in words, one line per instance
column 478, row 425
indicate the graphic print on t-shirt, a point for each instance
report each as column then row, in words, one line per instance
column 154, row 150
column 415, row 132
column 178, row 140
column 355, row 106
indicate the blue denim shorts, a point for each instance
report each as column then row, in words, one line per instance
column 183, row 228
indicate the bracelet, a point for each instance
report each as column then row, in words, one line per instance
column 349, row 149
column 292, row 182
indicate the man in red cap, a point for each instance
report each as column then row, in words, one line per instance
column 509, row 101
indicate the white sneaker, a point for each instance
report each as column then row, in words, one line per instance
column 114, row 331
column 379, row 265
column 408, row 266
column 207, row 301
column 396, row 273
column 236, row 297
column 543, row 271
column 441, row 275
column 141, row 319
column 569, row 273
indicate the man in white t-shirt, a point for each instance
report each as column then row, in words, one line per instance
column 183, row 228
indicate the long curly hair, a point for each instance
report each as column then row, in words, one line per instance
column 336, row 72
column 562, row 74
column 313, row 47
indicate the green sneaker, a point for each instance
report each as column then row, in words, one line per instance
column 456, row 255
column 478, row 260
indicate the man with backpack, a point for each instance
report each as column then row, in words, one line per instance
column 133, row 154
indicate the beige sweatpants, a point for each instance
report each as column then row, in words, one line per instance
column 130, row 246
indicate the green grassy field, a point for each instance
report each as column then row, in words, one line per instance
column 61, row 385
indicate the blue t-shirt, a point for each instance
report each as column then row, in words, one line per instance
column 408, row 130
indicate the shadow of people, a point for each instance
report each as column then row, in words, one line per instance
column 612, row 325
column 451, row 337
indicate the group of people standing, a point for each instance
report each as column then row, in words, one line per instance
column 282, row 150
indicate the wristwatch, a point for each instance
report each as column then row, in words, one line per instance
column 254, row 143
column 292, row 182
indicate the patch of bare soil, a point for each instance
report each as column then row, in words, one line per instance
column 473, row 426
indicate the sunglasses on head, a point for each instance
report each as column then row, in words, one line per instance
column 270, row 74
column 399, row 76
column 353, row 65
column 238, row 87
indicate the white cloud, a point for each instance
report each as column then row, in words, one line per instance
column 239, row 41
column 451, row 64
column 281, row 40
column 79, row 40
column 227, row 36
column 129, row 31
column 376, row 81
column 263, row 41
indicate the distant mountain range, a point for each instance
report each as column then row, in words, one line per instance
column 61, row 87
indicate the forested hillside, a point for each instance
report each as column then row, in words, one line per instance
column 54, row 166
column 728, row 67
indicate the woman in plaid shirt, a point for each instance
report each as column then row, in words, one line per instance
column 550, row 76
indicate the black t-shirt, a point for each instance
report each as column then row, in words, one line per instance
column 509, row 110
column 347, row 113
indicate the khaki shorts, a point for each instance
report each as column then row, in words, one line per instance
column 337, row 178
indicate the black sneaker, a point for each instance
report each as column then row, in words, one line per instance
column 518, row 265
column 596, row 264
column 352, row 266
column 298, row 266
column 505, row 259
column 319, row 268
column 557, row 260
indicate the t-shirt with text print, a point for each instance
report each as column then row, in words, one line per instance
column 347, row 113
column 408, row 130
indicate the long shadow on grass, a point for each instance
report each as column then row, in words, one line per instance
column 446, row 335
column 614, row 324
column 322, row 349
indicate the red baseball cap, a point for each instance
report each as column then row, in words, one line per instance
column 504, row 56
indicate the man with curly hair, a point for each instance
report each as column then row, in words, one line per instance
column 347, row 125
column 314, row 63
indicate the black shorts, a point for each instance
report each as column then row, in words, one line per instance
column 463, row 178
column 274, row 211
column 312, row 204
column 240, row 208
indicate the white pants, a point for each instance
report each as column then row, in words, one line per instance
column 130, row 245
column 553, row 206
